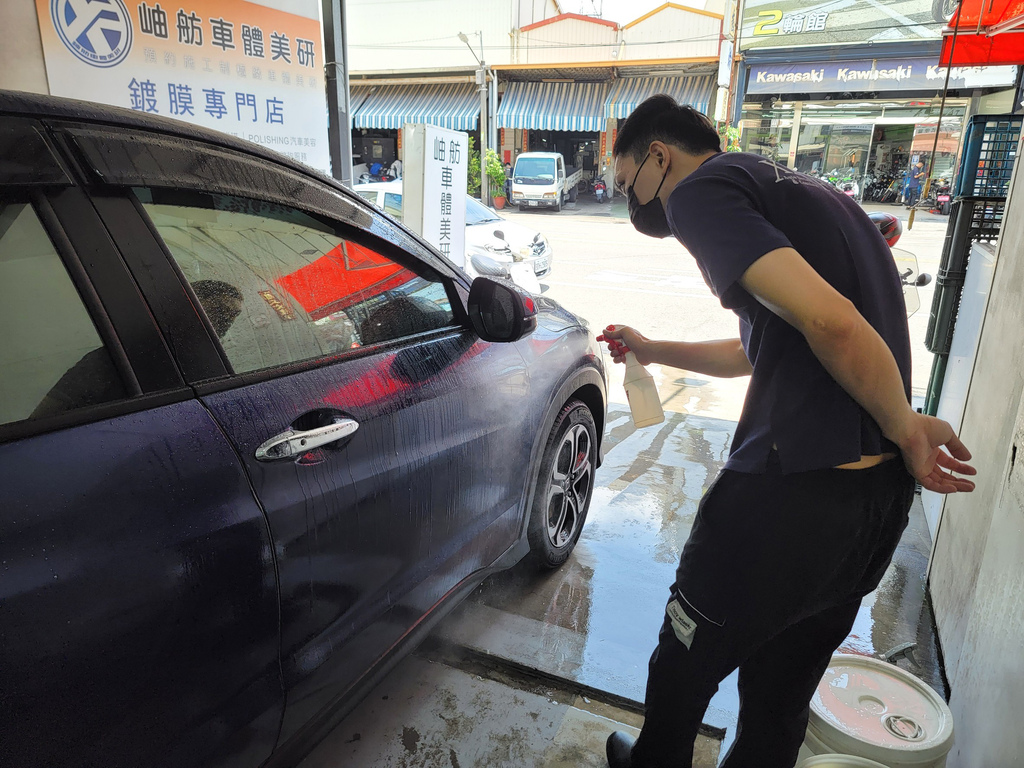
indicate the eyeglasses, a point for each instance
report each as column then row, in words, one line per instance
column 623, row 190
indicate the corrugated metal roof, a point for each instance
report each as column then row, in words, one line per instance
column 451, row 105
column 628, row 93
column 554, row 106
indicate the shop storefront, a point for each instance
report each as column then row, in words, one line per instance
column 863, row 123
column 380, row 111
column 564, row 117
column 580, row 119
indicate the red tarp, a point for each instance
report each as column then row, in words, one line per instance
column 976, row 49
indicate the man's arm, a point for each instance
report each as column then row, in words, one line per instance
column 860, row 361
column 724, row 359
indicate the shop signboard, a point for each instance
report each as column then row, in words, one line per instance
column 786, row 23
column 872, row 75
column 434, row 185
column 445, row 176
column 254, row 70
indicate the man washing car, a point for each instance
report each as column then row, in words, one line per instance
column 803, row 520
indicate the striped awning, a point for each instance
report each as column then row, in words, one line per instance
column 455, row 106
column 554, row 106
column 630, row 91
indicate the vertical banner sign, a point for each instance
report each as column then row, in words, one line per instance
column 253, row 70
column 445, row 170
column 526, row 140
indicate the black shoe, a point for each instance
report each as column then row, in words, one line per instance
column 619, row 748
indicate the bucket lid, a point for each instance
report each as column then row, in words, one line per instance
column 839, row 761
column 873, row 709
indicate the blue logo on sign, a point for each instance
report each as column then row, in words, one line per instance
column 99, row 32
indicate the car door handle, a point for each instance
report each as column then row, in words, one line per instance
column 291, row 442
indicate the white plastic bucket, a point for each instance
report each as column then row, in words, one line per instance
column 866, row 708
column 838, row 761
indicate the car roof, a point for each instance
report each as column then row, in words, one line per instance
column 540, row 154
column 40, row 106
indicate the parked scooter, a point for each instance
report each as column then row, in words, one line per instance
column 911, row 278
column 378, row 172
column 600, row 190
column 943, row 196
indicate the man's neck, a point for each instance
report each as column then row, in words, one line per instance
column 683, row 164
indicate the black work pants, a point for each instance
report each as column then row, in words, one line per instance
column 769, row 581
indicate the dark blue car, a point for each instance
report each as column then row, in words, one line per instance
column 255, row 439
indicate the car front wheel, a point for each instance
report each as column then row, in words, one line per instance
column 565, row 485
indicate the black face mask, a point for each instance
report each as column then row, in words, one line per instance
column 649, row 218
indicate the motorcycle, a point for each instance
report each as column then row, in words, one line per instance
column 600, row 190
column 378, row 172
column 911, row 277
column 943, row 9
column 943, row 198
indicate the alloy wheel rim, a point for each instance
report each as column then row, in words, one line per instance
column 569, row 485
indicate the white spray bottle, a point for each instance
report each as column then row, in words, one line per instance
column 642, row 393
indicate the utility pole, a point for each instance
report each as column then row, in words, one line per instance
column 336, row 75
column 481, row 83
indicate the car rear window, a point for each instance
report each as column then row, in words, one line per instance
column 52, row 359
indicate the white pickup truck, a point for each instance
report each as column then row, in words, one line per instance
column 542, row 180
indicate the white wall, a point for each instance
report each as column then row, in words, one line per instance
column 567, row 41
column 418, row 36
column 688, row 34
column 21, row 53
column 977, row 570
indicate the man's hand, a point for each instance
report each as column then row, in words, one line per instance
column 622, row 339
column 922, row 448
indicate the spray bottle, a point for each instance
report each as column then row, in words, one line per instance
column 642, row 393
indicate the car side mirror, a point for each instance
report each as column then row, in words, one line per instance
column 499, row 234
column 501, row 311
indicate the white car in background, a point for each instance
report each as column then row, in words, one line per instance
column 494, row 246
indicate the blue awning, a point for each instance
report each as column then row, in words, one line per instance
column 630, row 91
column 455, row 106
column 554, row 106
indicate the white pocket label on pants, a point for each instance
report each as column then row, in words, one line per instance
column 682, row 625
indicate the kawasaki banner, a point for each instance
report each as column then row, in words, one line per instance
column 872, row 75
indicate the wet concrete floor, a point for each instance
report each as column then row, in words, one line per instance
column 537, row 669
column 433, row 713
column 596, row 620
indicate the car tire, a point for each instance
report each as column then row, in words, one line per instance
column 558, row 203
column 572, row 195
column 565, row 486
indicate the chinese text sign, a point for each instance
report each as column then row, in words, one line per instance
column 445, row 169
column 237, row 67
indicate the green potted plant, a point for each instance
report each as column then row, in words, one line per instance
column 495, row 177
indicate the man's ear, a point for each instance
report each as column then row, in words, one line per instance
column 660, row 153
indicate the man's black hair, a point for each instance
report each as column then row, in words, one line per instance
column 206, row 290
column 660, row 118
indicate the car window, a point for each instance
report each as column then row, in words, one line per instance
column 477, row 213
column 368, row 194
column 280, row 286
column 534, row 169
column 52, row 359
column 393, row 204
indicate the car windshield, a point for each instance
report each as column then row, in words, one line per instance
column 476, row 213
column 535, row 169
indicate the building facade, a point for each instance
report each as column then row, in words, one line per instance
column 855, row 93
column 555, row 81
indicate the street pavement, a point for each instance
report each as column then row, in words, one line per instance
column 536, row 669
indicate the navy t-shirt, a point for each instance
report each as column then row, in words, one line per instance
column 731, row 211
